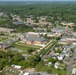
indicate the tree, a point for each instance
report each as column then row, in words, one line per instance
column 30, row 50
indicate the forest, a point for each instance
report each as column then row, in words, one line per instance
column 54, row 12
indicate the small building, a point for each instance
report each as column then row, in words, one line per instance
column 26, row 73
column 54, row 35
column 67, row 24
column 71, row 39
column 33, row 34
column 74, row 71
column 16, row 66
column 56, row 65
column 29, row 20
column 61, row 57
column 18, row 23
column 6, row 30
column 1, row 14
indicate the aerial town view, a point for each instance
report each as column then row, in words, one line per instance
column 37, row 37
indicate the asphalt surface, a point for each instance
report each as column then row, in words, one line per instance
column 69, row 66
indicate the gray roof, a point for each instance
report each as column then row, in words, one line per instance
column 34, row 38
column 18, row 22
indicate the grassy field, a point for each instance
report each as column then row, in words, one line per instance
column 50, row 69
column 23, row 48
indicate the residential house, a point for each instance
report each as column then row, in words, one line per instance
column 18, row 23
column 54, row 35
column 74, row 71
column 67, row 24
column 33, row 34
column 16, row 66
column 26, row 73
column 56, row 65
column 1, row 14
column 15, row 17
column 6, row 30
column 61, row 57
column 58, row 30
column 29, row 20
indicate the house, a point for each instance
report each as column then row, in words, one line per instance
column 56, row 65
column 6, row 46
column 61, row 57
column 74, row 43
column 43, row 18
column 1, row 46
column 41, row 22
column 16, row 17
column 58, row 30
column 74, row 34
column 49, row 63
column 33, row 34
column 18, row 23
column 72, row 39
column 54, row 35
column 16, row 66
column 6, row 30
column 26, row 73
column 67, row 24
column 29, row 20
column 21, row 73
column 1, row 14
column 74, row 71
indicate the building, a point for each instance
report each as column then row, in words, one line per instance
column 18, row 23
column 15, row 17
column 1, row 45
column 71, row 39
column 6, row 30
column 61, row 57
column 16, row 66
column 29, row 20
column 56, row 65
column 34, row 40
column 58, row 30
column 26, row 73
column 74, row 71
column 1, row 14
column 33, row 34
column 54, row 35
column 67, row 24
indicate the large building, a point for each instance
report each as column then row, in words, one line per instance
column 34, row 40
column 6, row 30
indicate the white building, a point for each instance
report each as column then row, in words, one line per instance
column 74, row 71
column 56, row 65
column 60, row 57
column 26, row 73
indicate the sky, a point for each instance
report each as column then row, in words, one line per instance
column 37, row 0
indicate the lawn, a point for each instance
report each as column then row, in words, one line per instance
column 22, row 48
column 50, row 69
column 10, row 71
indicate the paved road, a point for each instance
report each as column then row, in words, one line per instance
column 69, row 67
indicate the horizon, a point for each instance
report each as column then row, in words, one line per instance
column 35, row 0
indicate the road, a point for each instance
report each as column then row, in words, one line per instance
column 69, row 67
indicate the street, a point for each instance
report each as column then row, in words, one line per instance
column 69, row 66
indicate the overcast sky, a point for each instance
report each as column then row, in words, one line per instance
column 37, row 0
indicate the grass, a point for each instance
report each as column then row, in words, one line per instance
column 7, row 70
column 23, row 44
column 50, row 69
column 23, row 48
